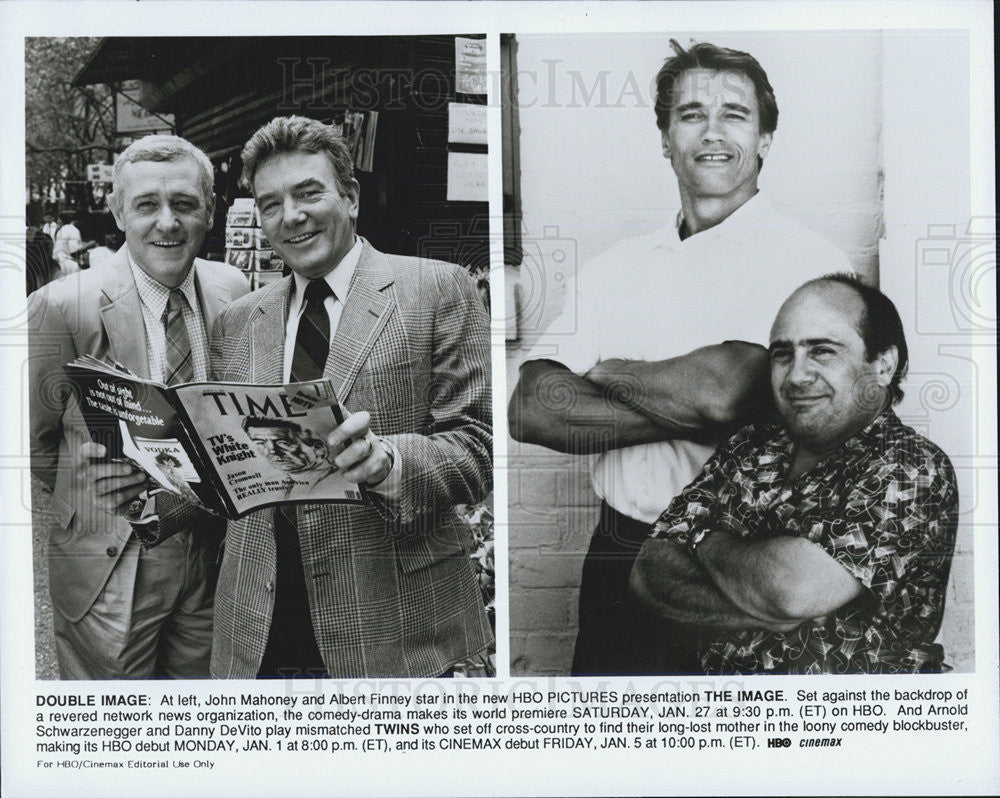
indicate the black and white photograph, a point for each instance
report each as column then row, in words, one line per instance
column 739, row 449
column 432, row 398
column 331, row 155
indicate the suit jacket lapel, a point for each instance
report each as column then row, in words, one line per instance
column 365, row 313
column 214, row 297
column 267, row 333
column 122, row 316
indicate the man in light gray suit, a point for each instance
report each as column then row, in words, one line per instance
column 122, row 611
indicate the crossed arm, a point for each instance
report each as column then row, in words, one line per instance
column 618, row 403
column 775, row 583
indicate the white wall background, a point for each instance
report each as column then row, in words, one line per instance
column 942, row 276
column 592, row 173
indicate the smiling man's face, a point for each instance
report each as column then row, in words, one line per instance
column 164, row 214
column 305, row 213
column 714, row 137
column 825, row 387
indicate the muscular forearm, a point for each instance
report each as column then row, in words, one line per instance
column 668, row 582
column 786, row 578
column 553, row 407
column 709, row 389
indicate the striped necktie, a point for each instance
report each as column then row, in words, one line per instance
column 291, row 648
column 179, row 366
column 312, row 340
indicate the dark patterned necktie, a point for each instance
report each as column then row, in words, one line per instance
column 312, row 340
column 179, row 367
column 291, row 648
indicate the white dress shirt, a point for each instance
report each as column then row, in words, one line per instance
column 339, row 280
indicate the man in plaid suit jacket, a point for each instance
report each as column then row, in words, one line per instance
column 385, row 588
column 391, row 588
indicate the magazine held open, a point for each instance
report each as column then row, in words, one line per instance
column 228, row 447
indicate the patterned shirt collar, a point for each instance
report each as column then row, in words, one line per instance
column 780, row 441
column 154, row 294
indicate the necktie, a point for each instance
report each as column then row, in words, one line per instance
column 291, row 648
column 312, row 340
column 179, row 367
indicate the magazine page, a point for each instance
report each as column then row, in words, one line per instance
column 135, row 419
column 590, row 568
column 268, row 444
column 119, row 408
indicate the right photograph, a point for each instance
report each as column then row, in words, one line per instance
column 744, row 282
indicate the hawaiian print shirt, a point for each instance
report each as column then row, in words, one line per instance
column 884, row 506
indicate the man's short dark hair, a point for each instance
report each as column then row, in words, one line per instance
column 256, row 422
column 297, row 134
column 165, row 458
column 705, row 55
column 880, row 326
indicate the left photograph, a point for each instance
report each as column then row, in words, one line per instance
column 259, row 357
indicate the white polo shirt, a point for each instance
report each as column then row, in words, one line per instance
column 655, row 297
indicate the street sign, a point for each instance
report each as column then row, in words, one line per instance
column 131, row 117
column 99, row 172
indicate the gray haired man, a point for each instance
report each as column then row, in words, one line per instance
column 121, row 611
column 382, row 588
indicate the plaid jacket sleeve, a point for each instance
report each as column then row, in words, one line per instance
column 51, row 347
column 451, row 461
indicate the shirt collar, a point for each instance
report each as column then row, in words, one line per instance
column 744, row 220
column 154, row 293
column 876, row 430
column 338, row 278
column 858, row 444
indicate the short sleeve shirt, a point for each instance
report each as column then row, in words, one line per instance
column 884, row 506
column 656, row 297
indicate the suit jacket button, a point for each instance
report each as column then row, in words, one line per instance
column 111, row 551
column 269, row 587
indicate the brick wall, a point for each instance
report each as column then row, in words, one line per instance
column 552, row 512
